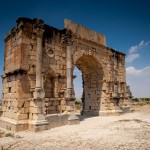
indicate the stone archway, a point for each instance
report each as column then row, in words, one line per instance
column 92, row 75
column 42, row 60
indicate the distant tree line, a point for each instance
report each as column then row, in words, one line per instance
column 144, row 100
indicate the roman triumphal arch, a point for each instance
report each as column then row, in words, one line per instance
column 38, row 91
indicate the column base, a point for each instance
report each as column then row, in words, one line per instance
column 126, row 109
column 90, row 113
column 38, row 125
column 73, row 119
column 39, row 93
column 110, row 112
column 13, row 125
column 102, row 112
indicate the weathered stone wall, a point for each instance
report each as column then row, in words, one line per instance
column 84, row 33
column 103, row 69
column 16, row 88
column 38, row 74
column 108, row 71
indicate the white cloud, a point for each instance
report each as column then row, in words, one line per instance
column 131, row 70
column 132, row 57
column 138, row 72
column 133, row 49
column 139, row 81
column 147, row 43
column 141, row 43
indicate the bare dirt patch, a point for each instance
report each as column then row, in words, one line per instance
column 126, row 132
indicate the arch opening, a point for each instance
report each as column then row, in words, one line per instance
column 78, row 88
column 92, row 76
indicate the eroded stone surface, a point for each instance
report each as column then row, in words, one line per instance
column 38, row 74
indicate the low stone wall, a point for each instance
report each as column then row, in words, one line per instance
column 53, row 120
column 13, row 125
column 57, row 120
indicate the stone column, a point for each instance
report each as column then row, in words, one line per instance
column 70, row 97
column 56, row 87
column 39, row 93
column 37, row 118
column 69, row 65
column 115, row 93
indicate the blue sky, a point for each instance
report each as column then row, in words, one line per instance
column 125, row 23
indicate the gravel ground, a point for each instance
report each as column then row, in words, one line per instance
column 125, row 132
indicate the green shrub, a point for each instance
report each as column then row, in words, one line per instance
column 142, row 100
column 78, row 102
column 9, row 135
column 146, row 100
column 124, row 120
column 127, row 120
column 137, row 120
column 135, row 100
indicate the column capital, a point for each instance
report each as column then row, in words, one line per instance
column 69, row 41
column 66, row 37
column 39, row 32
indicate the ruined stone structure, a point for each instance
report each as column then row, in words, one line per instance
column 38, row 91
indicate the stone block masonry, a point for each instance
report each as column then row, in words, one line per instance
column 38, row 91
